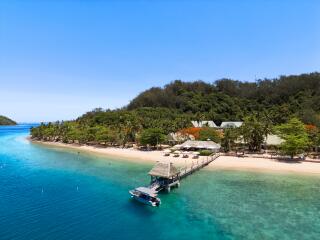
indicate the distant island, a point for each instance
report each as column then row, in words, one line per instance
column 287, row 106
column 6, row 121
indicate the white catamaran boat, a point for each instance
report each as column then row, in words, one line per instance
column 145, row 195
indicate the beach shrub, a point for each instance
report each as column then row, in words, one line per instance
column 205, row 152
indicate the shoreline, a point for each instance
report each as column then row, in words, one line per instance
column 222, row 163
column 110, row 152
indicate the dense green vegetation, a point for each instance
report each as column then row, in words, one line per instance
column 6, row 121
column 254, row 131
column 113, row 127
column 227, row 99
column 155, row 113
column 152, row 136
column 207, row 133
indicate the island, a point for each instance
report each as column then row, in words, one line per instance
column 6, row 121
column 271, row 119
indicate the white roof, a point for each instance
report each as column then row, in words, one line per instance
column 147, row 191
column 204, row 124
column 274, row 140
column 200, row 145
column 179, row 137
column 231, row 124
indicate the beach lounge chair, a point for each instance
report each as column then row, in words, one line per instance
column 195, row 155
column 185, row 154
column 166, row 153
column 176, row 153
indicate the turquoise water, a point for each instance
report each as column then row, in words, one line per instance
column 48, row 193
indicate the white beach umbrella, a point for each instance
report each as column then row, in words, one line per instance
column 177, row 152
column 176, row 146
column 196, row 153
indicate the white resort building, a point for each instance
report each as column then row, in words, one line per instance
column 201, row 124
column 231, row 124
column 211, row 124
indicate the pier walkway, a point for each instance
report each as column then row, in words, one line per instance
column 184, row 172
column 164, row 176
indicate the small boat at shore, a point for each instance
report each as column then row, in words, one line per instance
column 146, row 196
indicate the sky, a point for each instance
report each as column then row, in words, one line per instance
column 60, row 59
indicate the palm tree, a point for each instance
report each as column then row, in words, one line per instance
column 267, row 126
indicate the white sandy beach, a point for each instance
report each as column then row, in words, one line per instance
column 223, row 162
column 264, row 164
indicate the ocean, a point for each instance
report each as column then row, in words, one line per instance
column 51, row 193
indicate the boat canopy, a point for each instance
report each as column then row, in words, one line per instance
column 147, row 191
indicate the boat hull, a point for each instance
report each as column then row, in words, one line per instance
column 145, row 201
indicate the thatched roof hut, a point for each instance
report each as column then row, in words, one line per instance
column 164, row 170
column 200, row 145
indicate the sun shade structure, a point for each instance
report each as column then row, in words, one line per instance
column 147, row 191
column 200, row 145
column 164, row 170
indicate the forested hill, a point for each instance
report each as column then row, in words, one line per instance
column 6, row 121
column 263, row 105
column 228, row 99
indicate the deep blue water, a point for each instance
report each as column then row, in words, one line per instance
column 50, row 193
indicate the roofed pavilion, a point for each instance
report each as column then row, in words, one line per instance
column 164, row 170
column 164, row 175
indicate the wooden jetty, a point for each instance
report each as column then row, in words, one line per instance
column 184, row 172
column 164, row 176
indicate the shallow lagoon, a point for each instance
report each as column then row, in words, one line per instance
column 48, row 193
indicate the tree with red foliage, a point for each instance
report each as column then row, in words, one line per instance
column 194, row 131
column 314, row 136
